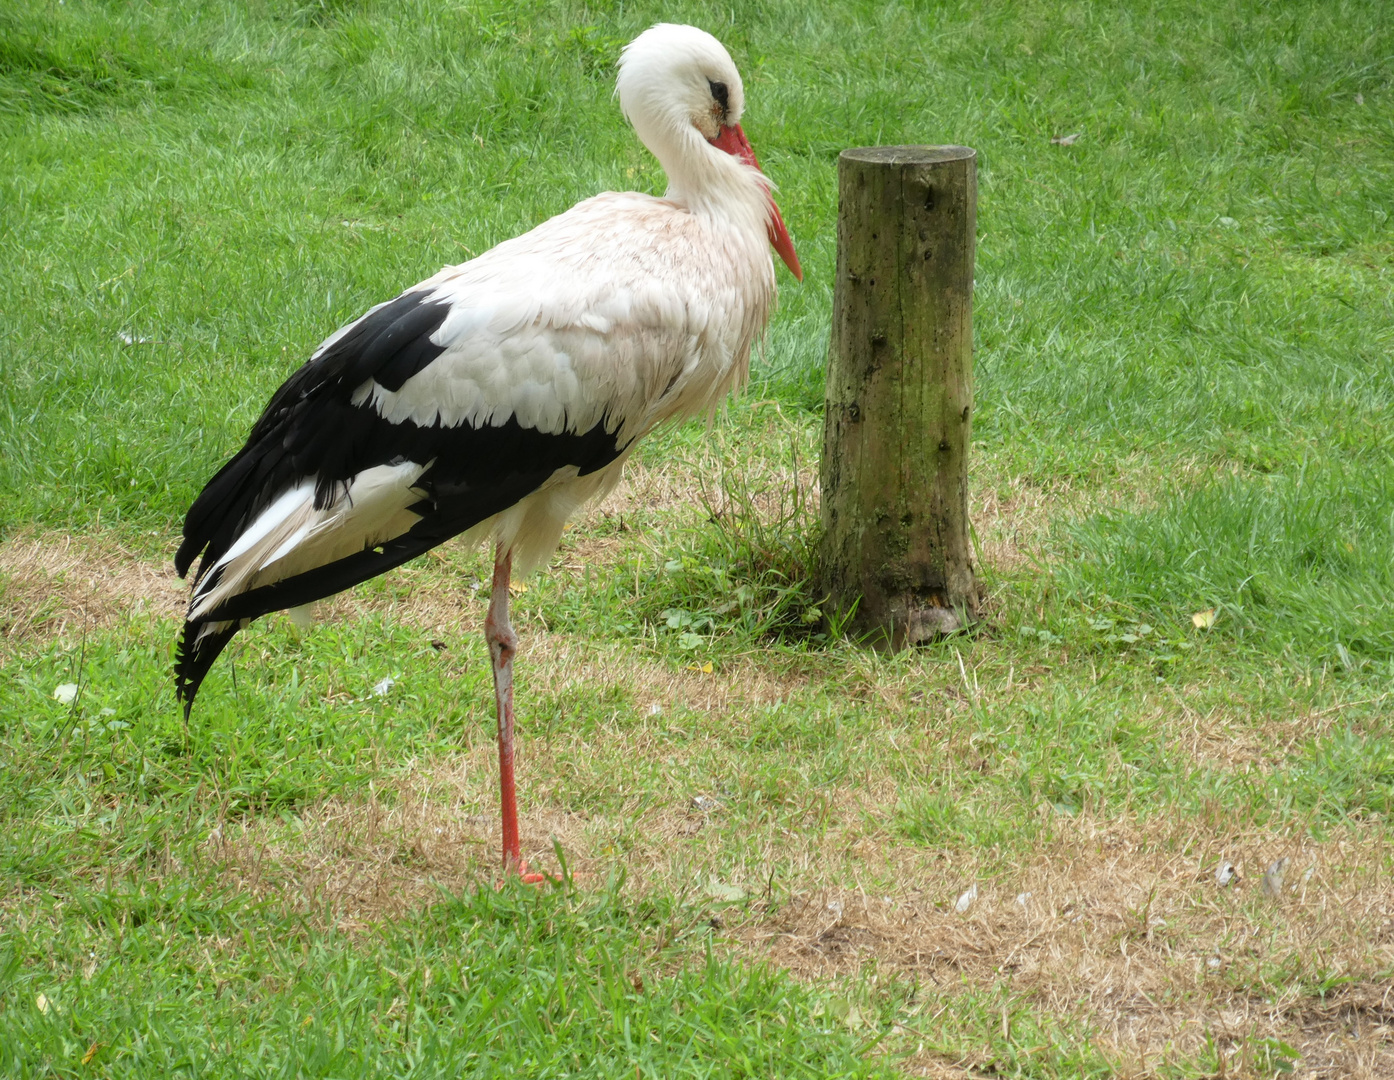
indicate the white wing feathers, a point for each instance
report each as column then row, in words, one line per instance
column 290, row 536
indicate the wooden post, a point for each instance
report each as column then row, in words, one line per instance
column 900, row 394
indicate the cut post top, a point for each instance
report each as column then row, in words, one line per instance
column 909, row 155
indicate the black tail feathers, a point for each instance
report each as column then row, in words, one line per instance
column 195, row 655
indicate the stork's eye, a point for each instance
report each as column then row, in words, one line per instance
column 721, row 95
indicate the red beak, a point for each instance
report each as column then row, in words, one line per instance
column 732, row 139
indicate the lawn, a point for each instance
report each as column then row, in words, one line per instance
column 784, row 855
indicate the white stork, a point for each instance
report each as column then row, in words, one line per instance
column 496, row 397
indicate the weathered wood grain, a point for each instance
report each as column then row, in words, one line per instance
column 900, row 394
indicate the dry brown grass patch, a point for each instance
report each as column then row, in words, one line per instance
column 1126, row 927
column 52, row 584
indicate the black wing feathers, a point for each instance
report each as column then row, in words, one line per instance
column 480, row 472
column 310, row 428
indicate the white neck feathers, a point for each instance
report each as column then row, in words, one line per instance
column 665, row 88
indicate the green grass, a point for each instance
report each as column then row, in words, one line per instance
column 546, row 983
column 1185, row 394
column 1301, row 561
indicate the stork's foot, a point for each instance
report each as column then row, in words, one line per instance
column 527, row 876
column 533, row 877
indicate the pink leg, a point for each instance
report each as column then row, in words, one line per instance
column 503, row 644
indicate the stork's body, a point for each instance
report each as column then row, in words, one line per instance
column 496, row 397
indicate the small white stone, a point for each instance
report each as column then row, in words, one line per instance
column 720, row 891
column 1225, row 874
column 965, row 901
column 1273, row 878
column 65, row 692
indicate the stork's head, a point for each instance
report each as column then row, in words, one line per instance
column 679, row 77
column 680, row 89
